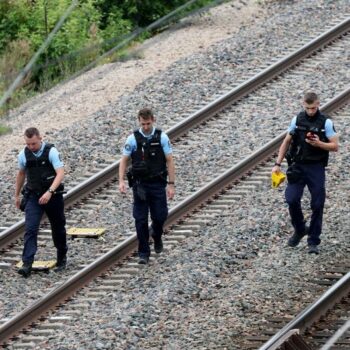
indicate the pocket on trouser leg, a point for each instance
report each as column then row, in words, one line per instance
column 294, row 174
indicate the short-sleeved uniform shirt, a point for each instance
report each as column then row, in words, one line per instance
column 54, row 157
column 131, row 144
column 329, row 128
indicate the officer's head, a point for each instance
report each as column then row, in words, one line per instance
column 32, row 139
column 311, row 103
column 146, row 119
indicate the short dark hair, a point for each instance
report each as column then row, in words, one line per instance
column 310, row 97
column 30, row 132
column 145, row 113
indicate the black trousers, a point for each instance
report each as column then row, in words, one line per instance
column 54, row 210
column 151, row 201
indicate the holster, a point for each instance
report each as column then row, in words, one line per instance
column 130, row 178
column 24, row 200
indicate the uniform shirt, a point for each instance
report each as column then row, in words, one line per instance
column 329, row 129
column 54, row 157
column 131, row 144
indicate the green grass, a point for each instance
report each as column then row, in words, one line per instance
column 4, row 129
column 68, row 68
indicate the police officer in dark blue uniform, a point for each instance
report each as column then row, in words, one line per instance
column 41, row 167
column 152, row 178
column 311, row 136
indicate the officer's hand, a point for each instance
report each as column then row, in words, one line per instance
column 276, row 169
column 44, row 199
column 313, row 141
column 171, row 191
column 122, row 187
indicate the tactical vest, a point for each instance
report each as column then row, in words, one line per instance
column 148, row 161
column 302, row 152
column 39, row 170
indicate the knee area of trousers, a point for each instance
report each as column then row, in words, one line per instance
column 31, row 231
column 141, row 220
column 317, row 205
column 158, row 224
column 160, row 219
column 293, row 202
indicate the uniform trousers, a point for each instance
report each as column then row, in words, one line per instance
column 312, row 176
column 54, row 210
column 149, row 198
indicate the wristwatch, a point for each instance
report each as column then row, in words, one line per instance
column 171, row 183
column 51, row 190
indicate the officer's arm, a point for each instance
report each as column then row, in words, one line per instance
column 55, row 160
column 21, row 175
column 44, row 199
column 122, row 168
column 171, row 175
column 282, row 152
column 171, row 167
column 58, row 179
column 331, row 146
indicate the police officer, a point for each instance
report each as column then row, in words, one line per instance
column 41, row 167
column 311, row 136
column 152, row 165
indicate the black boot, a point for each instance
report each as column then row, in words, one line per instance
column 25, row 270
column 158, row 243
column 61, row 264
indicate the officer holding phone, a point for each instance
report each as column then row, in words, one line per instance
column 310, row 138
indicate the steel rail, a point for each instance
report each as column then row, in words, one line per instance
column 338, row 335
column 313, row 312
column 64, row 291
column 83, row 189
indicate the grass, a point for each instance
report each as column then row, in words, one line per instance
column 10, row 62
column 4, row 130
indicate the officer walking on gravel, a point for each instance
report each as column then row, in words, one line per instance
column 41, row 167
column 310, row 138
column 152, row 165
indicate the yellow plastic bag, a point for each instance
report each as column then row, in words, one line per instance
column 277, row 179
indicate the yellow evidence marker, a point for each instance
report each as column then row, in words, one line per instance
column 277, row 179
column 76, row 232
column 40, row 265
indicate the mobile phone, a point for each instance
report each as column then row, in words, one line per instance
column 310, row 135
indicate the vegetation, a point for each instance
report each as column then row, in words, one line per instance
column 4, row 130
column 92, row 28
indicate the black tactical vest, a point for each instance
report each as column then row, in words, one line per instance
column 39, row 170
column 148, row 161
column 300, row 150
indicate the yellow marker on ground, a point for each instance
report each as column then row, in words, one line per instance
column 85, row 232
column 40, row 265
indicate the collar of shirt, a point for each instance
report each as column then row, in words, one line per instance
column 39, row 153
column 148, row 135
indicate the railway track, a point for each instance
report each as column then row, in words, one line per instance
column 219, row 112
column 322, row 324
column 201, row 208
column 241, row 88
column 102, row 185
